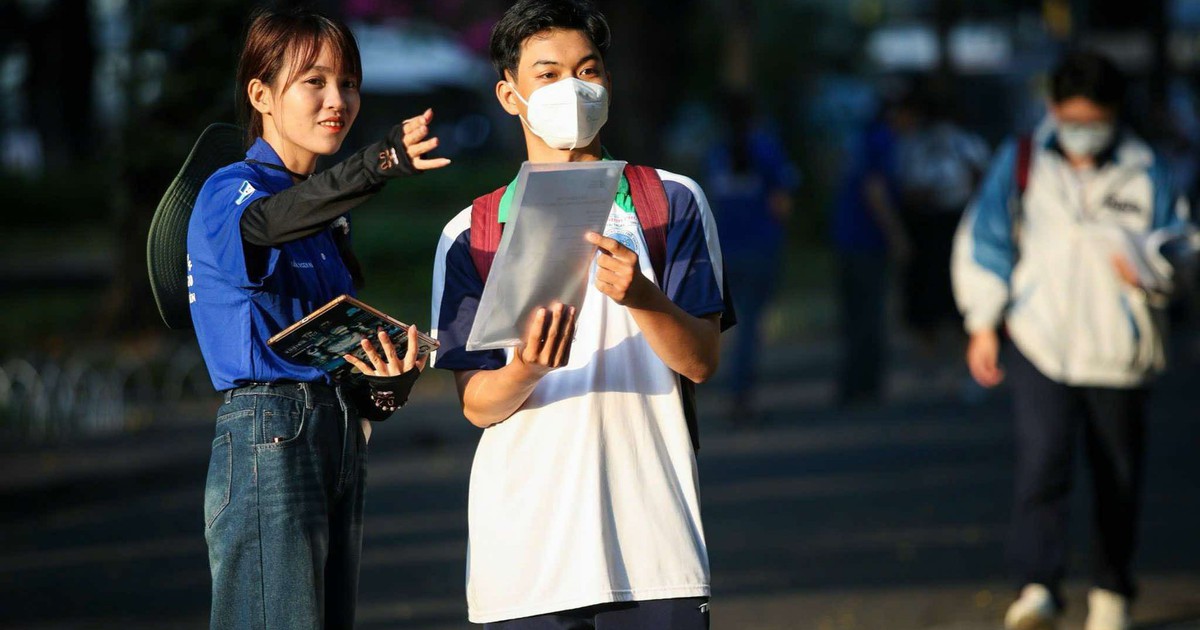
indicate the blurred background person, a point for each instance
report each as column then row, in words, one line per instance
column 1053, row 250
column 940, row 165
column 750, row 181
column 868, row 238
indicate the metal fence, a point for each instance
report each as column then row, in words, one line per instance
column 97, row 392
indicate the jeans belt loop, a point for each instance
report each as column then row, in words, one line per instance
column 229, row 396
column 308, row 402
column 337, row 389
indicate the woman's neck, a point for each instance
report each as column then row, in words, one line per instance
column 294, row 158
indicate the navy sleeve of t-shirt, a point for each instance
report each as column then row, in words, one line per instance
column 457, row 288
column 693, row 273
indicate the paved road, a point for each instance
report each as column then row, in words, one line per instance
column 879, row 518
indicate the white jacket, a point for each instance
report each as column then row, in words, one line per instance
column 1055, row 285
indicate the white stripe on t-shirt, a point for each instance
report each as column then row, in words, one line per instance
column 459, row 224
column 706, row 218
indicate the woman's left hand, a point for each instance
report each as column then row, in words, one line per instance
column 389, row 363
column 415, row 131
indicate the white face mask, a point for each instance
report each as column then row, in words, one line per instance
column 1085, row 139
column 566, row 114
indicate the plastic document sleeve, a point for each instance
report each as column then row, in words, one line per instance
column 543, row 257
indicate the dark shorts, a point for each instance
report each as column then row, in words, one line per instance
column 660, row 614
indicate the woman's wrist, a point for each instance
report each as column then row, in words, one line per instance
column 393, row 157
column 389, row 393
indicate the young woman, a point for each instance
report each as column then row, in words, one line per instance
column 268, row 243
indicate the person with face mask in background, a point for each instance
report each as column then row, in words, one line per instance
column 1059, row 249
column 584, row 505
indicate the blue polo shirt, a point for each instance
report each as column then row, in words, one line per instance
column 241, row 294
column 854, row 229
column 741, row 201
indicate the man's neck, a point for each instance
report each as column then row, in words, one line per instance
column 538, row 151
column 1081, row 163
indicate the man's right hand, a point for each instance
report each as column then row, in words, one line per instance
column 548, row 342
column 983, row 358
column 490, row 397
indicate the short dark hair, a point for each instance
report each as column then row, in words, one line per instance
column 530, row 17
column 1090, row 75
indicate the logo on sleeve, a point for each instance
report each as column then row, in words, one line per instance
column 244, row 192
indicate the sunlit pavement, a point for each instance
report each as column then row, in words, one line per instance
column 883, row 518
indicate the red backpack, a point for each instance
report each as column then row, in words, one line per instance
column 1016, row 203
column 650, row 203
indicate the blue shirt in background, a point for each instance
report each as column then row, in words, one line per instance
column 854, row 227
column 741, row 200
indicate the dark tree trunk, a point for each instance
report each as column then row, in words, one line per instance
column 197, row 89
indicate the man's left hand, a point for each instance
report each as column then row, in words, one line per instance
column 618, row 275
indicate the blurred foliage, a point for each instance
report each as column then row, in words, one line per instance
column 81, row 196
column 195, row 77
column 396, row 233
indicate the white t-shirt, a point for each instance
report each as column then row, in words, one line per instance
column 589, row 493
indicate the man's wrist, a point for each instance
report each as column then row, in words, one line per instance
column 976, row 323
column 523, row 373
column 643, row 295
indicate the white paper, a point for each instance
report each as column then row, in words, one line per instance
column 543, row 257
column 1147, row 252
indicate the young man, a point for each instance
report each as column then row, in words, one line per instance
column 1049, row 250
column 584, row 508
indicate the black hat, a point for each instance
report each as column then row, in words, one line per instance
column 219, row 145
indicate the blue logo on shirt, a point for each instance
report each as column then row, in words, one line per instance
column 624, row 237
column 244, row 192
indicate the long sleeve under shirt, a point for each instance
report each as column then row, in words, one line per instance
column 315, row 203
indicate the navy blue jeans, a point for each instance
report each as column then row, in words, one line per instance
column 862, row 296
column 283, row 508
column 689, row 613
column 752, row 281
column 1050, row 417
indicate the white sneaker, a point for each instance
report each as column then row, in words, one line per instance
column 1034, row 610
column 1107, row 611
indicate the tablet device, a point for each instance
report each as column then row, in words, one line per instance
column 337, row 328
